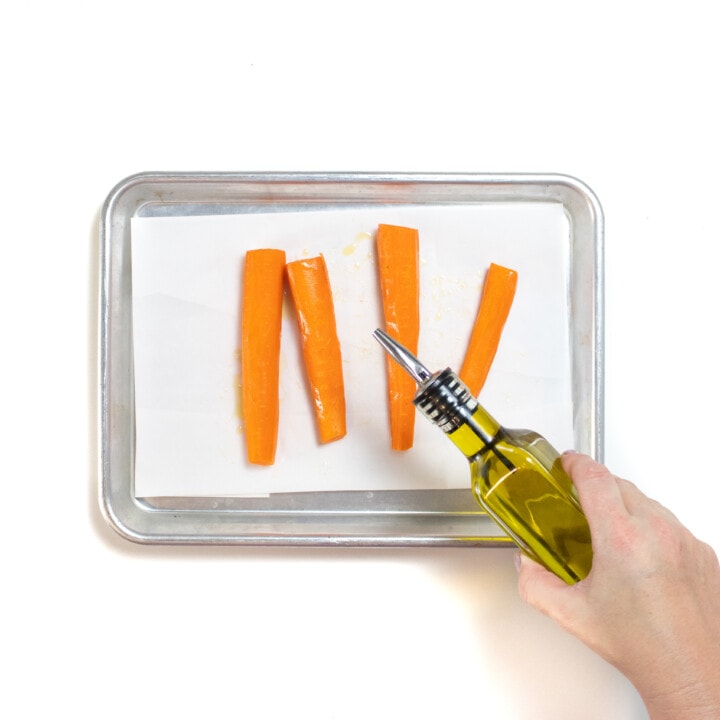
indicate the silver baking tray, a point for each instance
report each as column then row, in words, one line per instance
column 327, row 518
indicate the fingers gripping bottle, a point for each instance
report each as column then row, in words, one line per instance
column 516, row 475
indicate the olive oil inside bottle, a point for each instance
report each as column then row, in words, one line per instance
column 518, row 479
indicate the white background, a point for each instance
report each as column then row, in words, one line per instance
column 622, row 95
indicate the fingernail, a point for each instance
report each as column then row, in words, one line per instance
column 518, row 561
column 570, row 452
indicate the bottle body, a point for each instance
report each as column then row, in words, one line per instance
column 518, row 479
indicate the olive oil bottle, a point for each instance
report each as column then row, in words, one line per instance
column 516, row 475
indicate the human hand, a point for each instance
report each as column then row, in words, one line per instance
column 651, row 603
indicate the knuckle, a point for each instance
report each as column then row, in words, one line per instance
column 595, row 472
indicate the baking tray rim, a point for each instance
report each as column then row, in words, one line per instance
column 431, row 528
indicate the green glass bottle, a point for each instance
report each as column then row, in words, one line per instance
column 516, row 475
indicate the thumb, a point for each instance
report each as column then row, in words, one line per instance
column 542, row 589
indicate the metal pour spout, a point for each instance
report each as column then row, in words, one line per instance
column 403, row 357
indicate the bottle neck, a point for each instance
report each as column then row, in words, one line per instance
column 476, row 433
column 447, row 402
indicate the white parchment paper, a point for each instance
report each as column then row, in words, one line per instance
column 186, row 274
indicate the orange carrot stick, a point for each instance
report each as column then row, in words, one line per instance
column 312, row 294
column 497, row 298
column 260, row 351
column 398, row 264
